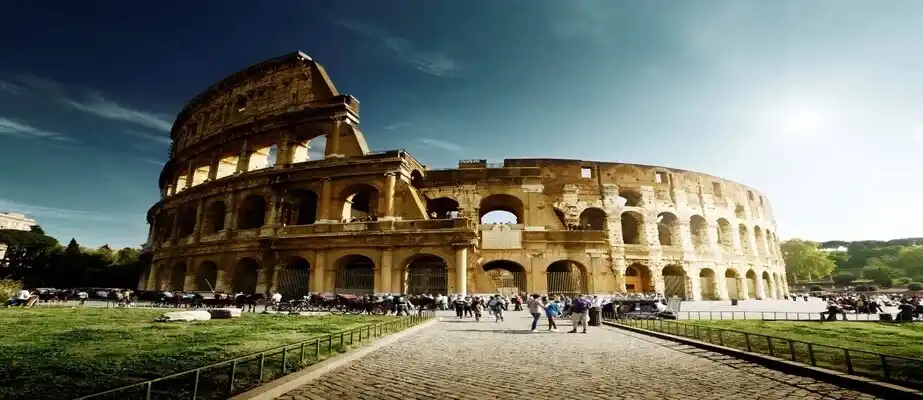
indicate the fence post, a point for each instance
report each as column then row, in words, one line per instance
column 769, row 343
column 747, row 339
column 195, row 386
column 791, row 348
column 885, row 370
column 147, row 391
column 262, row 363
column 849, row 369
column 233, row 371
column 811, row 354
column 284, row 360
column 720, row 337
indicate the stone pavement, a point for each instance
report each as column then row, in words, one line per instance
column 465, row 360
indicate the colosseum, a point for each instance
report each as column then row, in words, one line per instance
column 248, row 206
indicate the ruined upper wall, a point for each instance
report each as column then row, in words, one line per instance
column 286, row 84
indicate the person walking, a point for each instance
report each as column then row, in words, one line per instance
column 552, row 310
column 536, row 308
column 459, row 305
column 579, row 308
column 496, row 308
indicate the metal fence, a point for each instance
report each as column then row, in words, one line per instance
column 770, row 315
column 566, row 283
column 896, row 369
column 227, row 378
column 427, row 280
column 355, row 279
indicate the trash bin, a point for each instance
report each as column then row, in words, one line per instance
column 733, row 302
column 594, row 317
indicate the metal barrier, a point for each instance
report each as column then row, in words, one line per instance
column 226, row 378
column 901, row 370
column 769, row 315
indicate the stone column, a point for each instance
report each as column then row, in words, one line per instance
column 174, row 233
column 461, row 271
column 199, row 216
column 751, row 237
column 320, row 263
column 721, row 286
column 214, row 165
column 274, row 214
column 333, row 140
column 743, row 288
column 190, row 174
column 390, row 183
column 326, row 200
column 284, row 154
column 713, row 241
column 243, row 161
column 735, row 238
column 760, row 288
column 657, row 278
column 230, row 219
column 387, row 261
column 685, row 237
column 190, row 279
column 620, row 267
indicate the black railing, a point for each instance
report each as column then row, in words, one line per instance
column 230, row 377
column 904, row 371
column 771, row 315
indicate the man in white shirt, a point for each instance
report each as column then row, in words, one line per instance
column 21, row 298
column 274, row 300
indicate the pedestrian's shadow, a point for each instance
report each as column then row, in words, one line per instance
column 503, row 331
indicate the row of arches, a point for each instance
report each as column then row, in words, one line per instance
column 668, row 232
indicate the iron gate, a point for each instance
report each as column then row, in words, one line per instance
column 427, row 280
column 674, row 285
column 508, row 283
column 566, row 283
column 294, row 282
column 355, row 280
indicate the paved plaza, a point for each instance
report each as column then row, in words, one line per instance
column 467, row 360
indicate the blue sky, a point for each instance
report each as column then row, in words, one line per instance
column 817, row 104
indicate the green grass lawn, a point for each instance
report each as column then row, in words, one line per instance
column 59, row 353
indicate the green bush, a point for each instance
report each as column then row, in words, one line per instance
column 903, row 281
column 866, row 288
column 915, row 286
column 9, row 288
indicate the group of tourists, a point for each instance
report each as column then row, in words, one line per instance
column 909, row 307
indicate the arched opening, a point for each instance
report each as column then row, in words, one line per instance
column 164, row 226
column 206, row 276
column 252, row 212
column 294, row 278
column 632, row 197
column 758, row 238
column 730, row 282
column 501, row 209
column 426, row 274
column 708, row 284
column 724, row 233
column 178, row 276
column 442, row 208
column 699, row 229
column 668, row 229
column 632, row 228
column 305, row 209
column 561, row 218
column 263, row 157
column 739, row 212
column 416, row 179
column 674, row 282
column 360, row 203
column 508, row 277
column 246, row 276
column 355, row 274
column 215, row 215
column 566, row 277
column 593, row 219
column 160, row 278
column 744, row 237
column 751, row 284
column 768, row 286
column 638, row 279
column 187, row 216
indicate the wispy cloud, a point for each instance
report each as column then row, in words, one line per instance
column 582, row 19
column 41, row 213
column 441, row 144
column 398, row 125
column 10, row 87
column 18, row 129
column 428, row 62
column 160, row 139
column 151, row 161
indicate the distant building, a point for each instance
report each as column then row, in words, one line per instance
column 13, row 221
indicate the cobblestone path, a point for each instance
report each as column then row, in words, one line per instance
column 462, row 360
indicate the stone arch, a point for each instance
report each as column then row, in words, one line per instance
column 758, row 238
column 708, row 284
column 305, row 207
column 740, row 212
column 768, row 286
column 416, row 179
column 355, row 273
column 674, row 281
column 426, row 274
column 724, row 233
column 698, row 227
column 178, row 276
column 164, row 225
column 593, row 218
column 507, row 276
column 732, row 283
column 187, row 217
column 252, row 212
column 744, row 236
column 668, row 229
column 633, row 228
column 566, row 277
column 215, row 214
column 246, row 276
column 504, row 208
column 206, row 277
column 751, row 284
column 158, row 274
column 442, row 207
column 638, row 279
column 632, row 197
column 294, row 278
column 360, row 201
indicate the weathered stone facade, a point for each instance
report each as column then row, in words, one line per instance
column 243, row 206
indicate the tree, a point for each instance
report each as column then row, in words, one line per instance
column 73, row 248
column 879, row 274
column 37, row 229
column 803, row 258
column 843, row 278
column 127, row 256
column 27, row 252
column 909, row 260
column 105, row 253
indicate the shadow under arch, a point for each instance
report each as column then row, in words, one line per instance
column 294, row 278
column 708, row 284
column 355, row 274
column 638, row 279
column 509, row 277
column 206, row 277
column 246, row 276
column 426, row 274
column 674, row 282
column 566, row 277
column 178, row 276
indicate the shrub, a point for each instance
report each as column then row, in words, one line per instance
column 903, row 281
column 915, row 286
column 9, row 288
column 844, row 278
column 815, row 288
column 866, row 288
